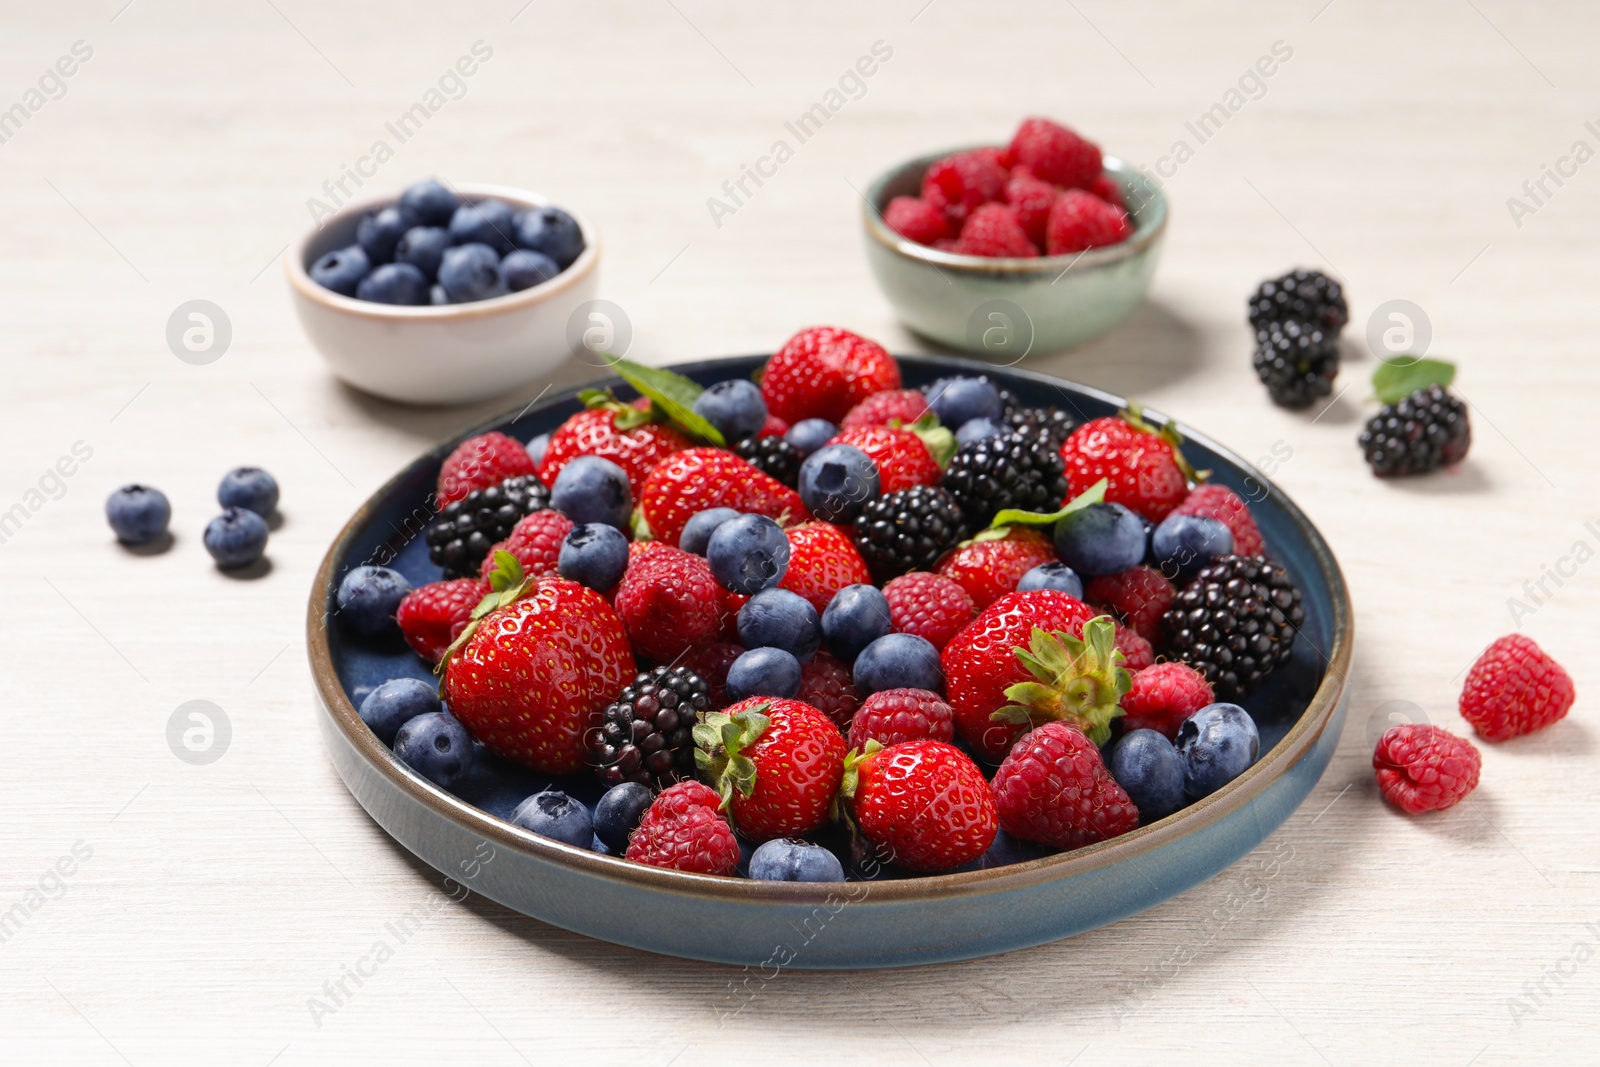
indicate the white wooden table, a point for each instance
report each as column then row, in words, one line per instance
column 206, row 905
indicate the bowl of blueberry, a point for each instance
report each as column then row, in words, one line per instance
column 445, row 294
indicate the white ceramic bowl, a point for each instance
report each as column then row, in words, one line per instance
column 454, row 354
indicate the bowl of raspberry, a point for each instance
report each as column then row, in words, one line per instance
column 1004, row 251
column 444, row 294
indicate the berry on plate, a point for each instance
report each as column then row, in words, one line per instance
column 991, row 564
column 904, row 457
column 617, row 814
column 368, row 596
column 479, row 462
column 1236, row 623
column 687, row 482
column 612, row 430
column 466, row 530
column 837, row 481
column 1054, row 788
column 763, row 672
column 822, row 561
column 1012, row 470
column 734, row 406
column 644, row 735
column 1217, row 744
column 789, row 859
column 1143, row 468
column 772, row 454
column 669, row 601
column 826, row 684
column 553, row 814
column 823, row 372
column 894, row 716
column 594, row 555
column 898, row 661
column 1056, row 576
column 1425, row 768
column 856, row 616
column 1163, row 696
column 808, row 435
column 908, row 530
column 923, row 805
column 931, row 606
column 683, row 830
column 1181, row 545
column 436, row 746
column 592, row 489
column 776, row 764
column 1100, row 539
column 1215, row 501
column 905, row 406
column 535, row 541
column 1150, row 771
column 432, row 616
column 748, row 553
column 395, row 703
column 777, row 618
column 1515, row 688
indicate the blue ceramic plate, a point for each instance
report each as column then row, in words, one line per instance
column 1012, row 898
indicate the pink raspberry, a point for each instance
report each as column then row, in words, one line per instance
column 916, row 220
column 1163, row 696
column 1425, row 768
column 684, row 830
column 993, row 231
column 1137, row 655
column 891, row 716
column 1080, row 221
column 880, row 409
column 1054, row 788
column 1515, row 688
column 1138, row 596
column 957, row 184
column 1107, row 189
column 1032, row 199
column 1054, row 153
column 1212, row 501
column 536, row 543
column 826, row 684
column 930, row 606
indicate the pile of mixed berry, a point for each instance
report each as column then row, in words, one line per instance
column 1044, row 194
column 434, row 247
column 843, row 621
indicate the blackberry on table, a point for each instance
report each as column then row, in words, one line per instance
column 1235, row 622
column 774, row 456
column 1296, row 361
column 1052, row 422
column 1304, row 295
column 1011, row 470
column 466, row 530
column 908, row 530
column 645, row 735
column 1420, row 433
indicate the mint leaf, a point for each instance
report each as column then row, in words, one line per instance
column 1400, row 376
column 1012, row 517
column 673, row 394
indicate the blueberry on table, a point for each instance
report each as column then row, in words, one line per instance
column 430, row 202
column 423, row 247
column 369, row 596
column 394, row 283
column 488, row 222
column 342, row 269
column 618, row 812
column 764, row 672
column 788, row 859
column 1182, row 545
column 593, row 554
column 1150, row 771
column 836, row 480
column 593, row 489
column 236, row 538
column 808, row 435
column 1101, row 539
column 551, row 231
column 471, row 272
column 395, row 703
column 138, row 514
column 856, row 616
column 250, row 488
column 1057, row 576
column 379, row 232
column 898, row 661
column 734, row 407
column 696, row 536
column 522, row 269
column 553, row 814
column 436, row 746
column 958, row 401
column 1217, row 743
column 777, row 618
column 748, row 554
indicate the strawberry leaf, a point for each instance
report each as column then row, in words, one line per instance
column 1012, row 517
column 940, row 442
column 673, row 394
column 1398, row 377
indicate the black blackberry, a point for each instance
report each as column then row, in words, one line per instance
column 1235, row 622
column 1425, row 431
column 1296, row 361
column 1052, row 422
column 644, row 736
column 466, row 530
column 1306, row 295
column 773, row 455
column 908, row 530
column 1010, row 470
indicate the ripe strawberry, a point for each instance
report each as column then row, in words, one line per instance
column 995, row 231
column 1425, row 768
column 530, row 677
column 931, row 606
column 822, row 372
column 614, row 431
column 699, row 478
column 1054, row 153
column 1031, row 198
column 1080, row 221
column 711, row 662
column 1054, row 788
column 916, row 220
column 827, row 685
column 924, row 805
column 776, row 763
column 1138, row 597
column 535, row 541
column 822, row 561
column 959, row 183
column 682, row 830
column 894, row 716
column 1164, row 695
column 479, row 462
column 1143, row 468
column 669, row 602
column 990, row 566
column 881, row 409
column 1515, row 688
column 902, row 457
column 1137, row 655
column 1223, row 504
column 433, row 615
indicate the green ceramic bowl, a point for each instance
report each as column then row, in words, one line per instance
column 1006, row 309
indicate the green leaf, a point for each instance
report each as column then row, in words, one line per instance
column 1012, row 517
column 742, row 771
column 674, row 393
column 1400, row 376
column 705, row 737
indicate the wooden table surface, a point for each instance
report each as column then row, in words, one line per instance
column 207, row 905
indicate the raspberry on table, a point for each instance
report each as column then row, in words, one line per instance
column 931, row 606
column 1163, row 696
column 1515, row 688
column 1080, row 221
column 994, row 231
column 1055, row 153
column 916, row 220
column 1425, row 768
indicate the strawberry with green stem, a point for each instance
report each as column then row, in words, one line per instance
column 775, row 762
column 923, row 805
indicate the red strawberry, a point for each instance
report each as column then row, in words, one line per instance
column 1080, row 221
column 1054, row 153
column 535, row 541
column 1136, row 651
column 1054, row 788
column 894, row 716
column 1138, row 597
column 637, row 448
column 434, row 615
column 479, row 462
column 903, row 458
column 923, row 804
column 711, row 662
column 1143, row 468
column 1223, row 504
column 916, row 220
column 822, row 561
column 1031, row 198
column 991, row 565
column 881, row 409
column 933, row 607
column 531, row 677
column 699, row 478
column 1164, row 695
column 959, row 183
column 1515, row 688
column 827, row 685
column 777, row 764
column 683, row 831
column 994, row 231
column 669, row 602
column 822, row 372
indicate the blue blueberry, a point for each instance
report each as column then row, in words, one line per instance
column 763, row 672
column 551, row 231
column 394, row 283
column 423, row 247
column 808, row 435
column 342, row 269
column 488, row 222
column 471, row 272
column 748, row 553
column 430, row 202
column 594, row 555
column 789, row 859
column 618, row 812
column 958, row 401
column 379, row 232
column 437, row 296
column 395, row 703
column 138, row 514
column 777, row 618
column 856, row 616
column 436, row 746
column 359, row 694
column 369, row 596
column 537, row 448
column 1150, row 771
column 1216, row 743
column 1183, row 544
column 592, row 489
column 698, row 530
column 250, row 488
column 553, row 814
column 836, row 481
column 522, row 269
column 899, row 661
column 236, row 538
column 734, row 407
column 976, row 430
column 1057, row 576
column 1101, row 539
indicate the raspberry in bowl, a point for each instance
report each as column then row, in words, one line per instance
column 1034, row 246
